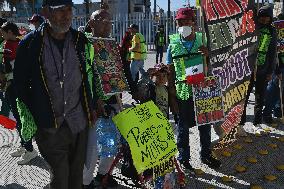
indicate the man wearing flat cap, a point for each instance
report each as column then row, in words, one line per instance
column 54, row 93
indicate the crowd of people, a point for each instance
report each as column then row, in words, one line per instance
column 48, row 80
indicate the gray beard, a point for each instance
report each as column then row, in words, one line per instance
column 58, row 29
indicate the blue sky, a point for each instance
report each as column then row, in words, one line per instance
column 175, row 4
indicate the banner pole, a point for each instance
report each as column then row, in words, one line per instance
column 255, row 67
column 202, row 22
column 280, row 91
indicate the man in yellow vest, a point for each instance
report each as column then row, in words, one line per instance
column 138, row 52
column 186, row 50
column 160, row 42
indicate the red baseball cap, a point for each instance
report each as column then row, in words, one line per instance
column 185, row 14
column 35, row 18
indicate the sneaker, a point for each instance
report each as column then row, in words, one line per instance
column 27, row 157
column 90, row 186
column 212, row 162
column 19, row 152
column 111, row 182
column 241, row 131
column 187, row 167
column 268, row 120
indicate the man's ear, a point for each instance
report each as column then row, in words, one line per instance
column 45, row 12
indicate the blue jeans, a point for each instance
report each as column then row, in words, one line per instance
column 186, row 121
column 272, row 100
column 136, row 66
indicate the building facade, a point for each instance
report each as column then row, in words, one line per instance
column 128, row 6
column 80, row 9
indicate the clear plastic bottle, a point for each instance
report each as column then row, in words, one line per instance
column 108, row 137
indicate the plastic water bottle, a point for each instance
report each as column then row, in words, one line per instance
column 159, row 182
column 108, row 137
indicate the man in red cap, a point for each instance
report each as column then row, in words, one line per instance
column 185, row 51
column 35, row 21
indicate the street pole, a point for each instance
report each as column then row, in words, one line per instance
column 155, row 8
column 282, row 7
column 33, row 6
column 87, row 9
column 169, row 18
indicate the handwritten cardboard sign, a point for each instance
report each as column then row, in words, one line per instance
column 149, row 135
column 109, row 66
column 208, row 101
column 164, row 167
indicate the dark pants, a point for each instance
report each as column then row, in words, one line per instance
column 11, row 96
column 5, row 106
column 127, row 73
column 186, row 121
column 260, row 89
column 272, row 98
column 65, row 153
column 160, row 51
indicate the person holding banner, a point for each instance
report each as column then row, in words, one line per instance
column 186, row 49
column 100, row 25
column 265, row 64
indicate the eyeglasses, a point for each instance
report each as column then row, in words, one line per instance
column 101, row 19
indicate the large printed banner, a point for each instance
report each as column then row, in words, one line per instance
column 279, row 25
column 208, row 101
column 149, row 135
column 109, row 66
column 232, row 41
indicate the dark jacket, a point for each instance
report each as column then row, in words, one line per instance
column 157, row 38
column 30, row 80
column 270, row 61
column 124, row 49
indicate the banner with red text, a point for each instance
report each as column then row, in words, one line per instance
column 208, row 101
column 230, row 29
column 279, row 25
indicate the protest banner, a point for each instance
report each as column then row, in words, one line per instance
column 208, row 102
column 109, row 66
column 279, row 25
column 164, row 167
column 149, row 135
column 230, row 30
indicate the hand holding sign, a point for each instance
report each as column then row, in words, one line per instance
column 149, row 135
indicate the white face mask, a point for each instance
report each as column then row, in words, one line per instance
column 185, row 31
column 32, row 27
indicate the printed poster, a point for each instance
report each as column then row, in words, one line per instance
column 109, row 66
column 208, row 101
column 232, row 43
column 279, row 25
column 149, row 135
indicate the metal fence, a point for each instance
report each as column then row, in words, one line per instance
column 146, row 22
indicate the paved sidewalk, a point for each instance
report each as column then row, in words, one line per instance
column 35, row 175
